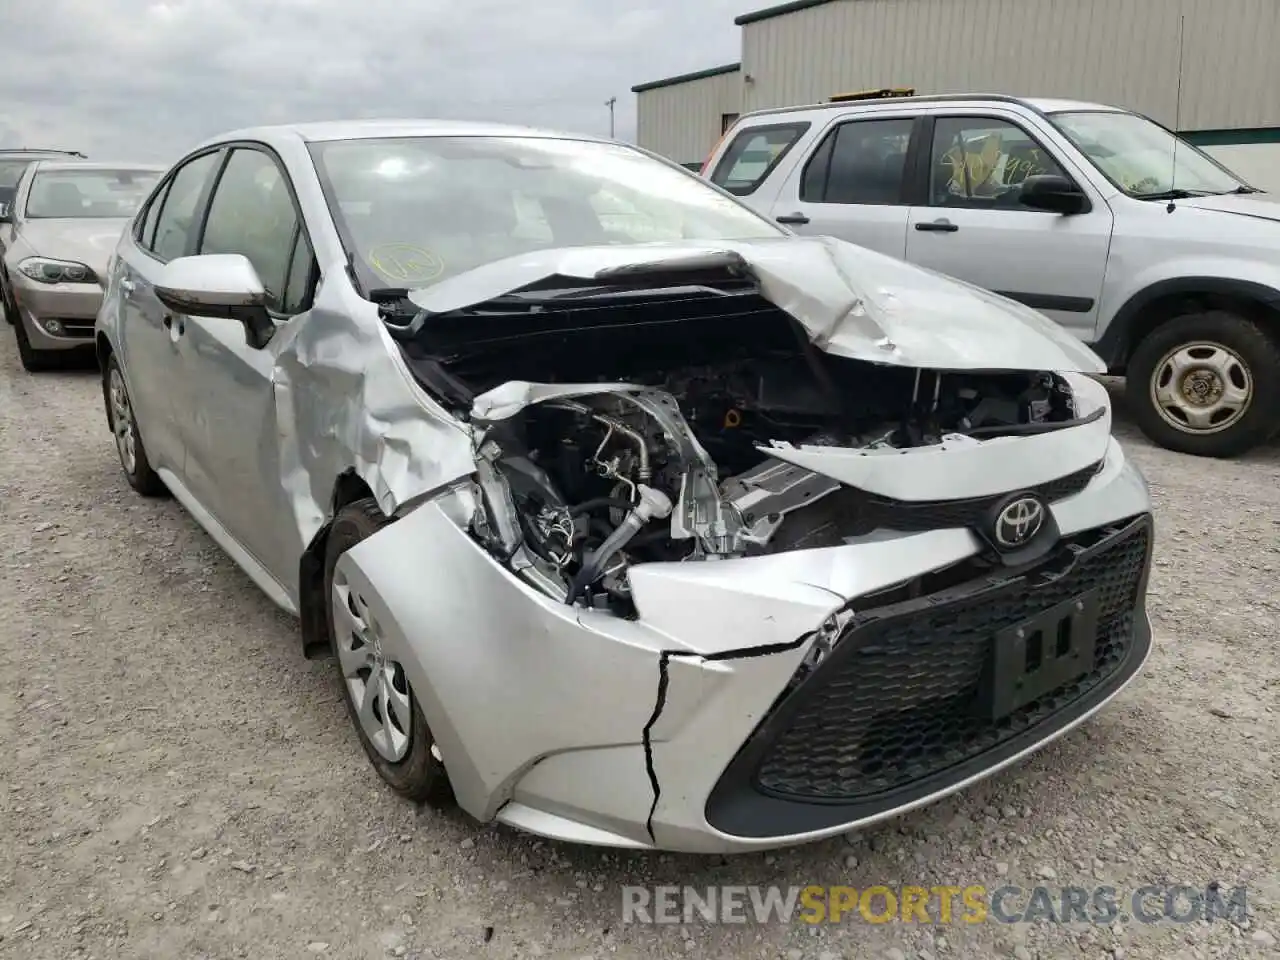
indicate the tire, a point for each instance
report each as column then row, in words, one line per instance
column 416, row 773
column 124, row 429
column 7, row 303
column 33, row 360
column 1225, row 352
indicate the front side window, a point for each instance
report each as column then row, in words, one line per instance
column 88, row 194
column 176, row 223
column 753, row 154
column 981, row 162
column 1143, row 158
column 860, row 161
column 252, row 213
column 414, row 211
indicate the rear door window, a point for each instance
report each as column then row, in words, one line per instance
column 860, row 162
column 753, row 154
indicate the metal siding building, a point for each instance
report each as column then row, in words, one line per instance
column 1123, row 52
column 683, row 117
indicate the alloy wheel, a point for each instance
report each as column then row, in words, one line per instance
column 122, row 422
column 376, row 684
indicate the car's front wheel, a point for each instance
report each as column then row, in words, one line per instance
column 124, row 427
column 33, row 360
column 1206, row 383
column 380, row 701
column 7, row 302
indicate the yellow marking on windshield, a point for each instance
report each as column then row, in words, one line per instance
column 406, row 262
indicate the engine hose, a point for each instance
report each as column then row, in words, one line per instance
column 586, row 506
column 653, row 505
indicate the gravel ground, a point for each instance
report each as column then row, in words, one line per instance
column 175, row 781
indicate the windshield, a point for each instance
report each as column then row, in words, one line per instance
column 414, row 211
column 81, row 194
column 1143, row 158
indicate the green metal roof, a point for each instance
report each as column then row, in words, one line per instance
column 777, row 11
column 688, row 77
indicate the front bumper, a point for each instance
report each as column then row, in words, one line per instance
column 684, row 730
column 57, row 316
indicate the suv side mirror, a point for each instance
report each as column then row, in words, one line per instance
column 1052, row 193
column 221, row 285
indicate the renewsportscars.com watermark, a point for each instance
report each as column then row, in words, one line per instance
column 971, row 904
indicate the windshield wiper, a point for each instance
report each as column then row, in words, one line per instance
column 1245, row 188
column 1175, row 194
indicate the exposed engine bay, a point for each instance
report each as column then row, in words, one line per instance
column 576, row 490
column 669, row 461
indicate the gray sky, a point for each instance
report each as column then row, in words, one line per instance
column 147, row 79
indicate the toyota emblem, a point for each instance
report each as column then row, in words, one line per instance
column 1018, row 522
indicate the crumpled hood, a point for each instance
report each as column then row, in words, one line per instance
column 1262, row 206
column 89, row 241
column 853, row 302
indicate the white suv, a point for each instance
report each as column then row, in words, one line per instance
column 1143, row 246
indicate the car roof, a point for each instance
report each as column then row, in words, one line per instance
column 1052, row 105
column 9, row 153
column 1038, row 104
column 91, row 165
column 390, row 128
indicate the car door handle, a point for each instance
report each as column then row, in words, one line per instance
column 793, row 218
column 937, row 226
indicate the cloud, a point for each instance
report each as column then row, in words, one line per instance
column 147, row 79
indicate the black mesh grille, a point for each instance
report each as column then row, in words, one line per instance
column 896, row 700
column 942, row 514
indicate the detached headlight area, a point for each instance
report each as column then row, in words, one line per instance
column 46, row 270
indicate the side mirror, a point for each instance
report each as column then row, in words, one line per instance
column 220, row 285
column 1052, row 193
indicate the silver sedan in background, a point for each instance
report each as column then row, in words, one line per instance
column 58, row 235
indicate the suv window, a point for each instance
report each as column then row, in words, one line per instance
column 177, row 217
column 753, row 154
column 860, row 161
column 11, row 172
column 252, row 213
column 980, row 162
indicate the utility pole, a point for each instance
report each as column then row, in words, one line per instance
column 610, row 104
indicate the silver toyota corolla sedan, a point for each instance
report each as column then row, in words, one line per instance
column 57, row 235
column 627, row 517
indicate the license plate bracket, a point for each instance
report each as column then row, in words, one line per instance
column 1040, row 654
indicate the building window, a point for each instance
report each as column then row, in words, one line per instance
column 860, row 162
column 727, row 120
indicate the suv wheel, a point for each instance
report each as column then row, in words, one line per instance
column 380, row 702
column 1206, row 383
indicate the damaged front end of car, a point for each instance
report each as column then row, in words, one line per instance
column 722, row 514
